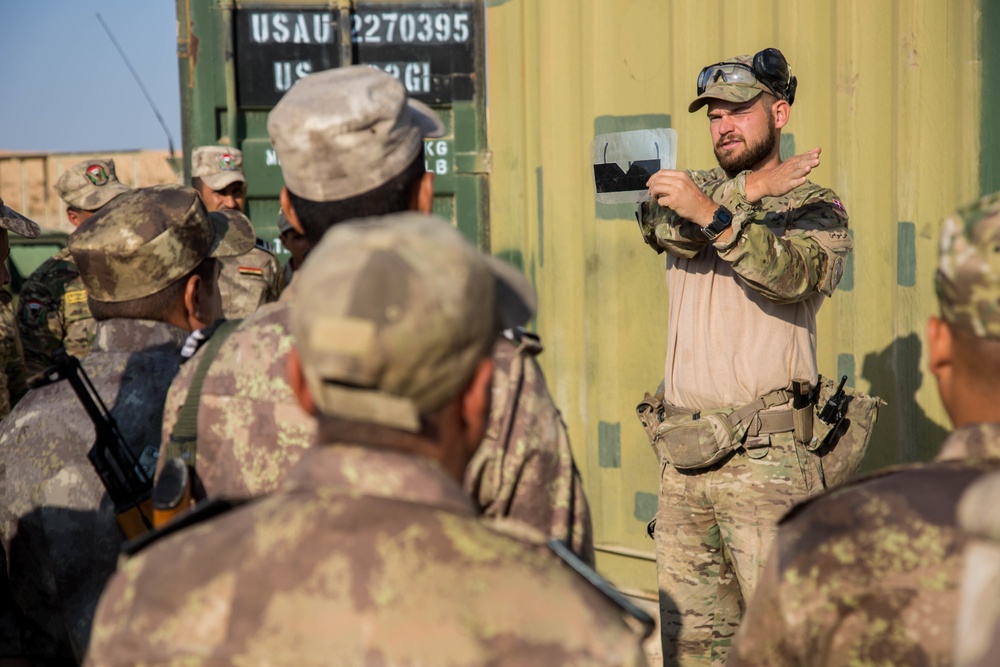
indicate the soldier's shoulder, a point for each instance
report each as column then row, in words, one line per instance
column 813, row 194
column 918, row 487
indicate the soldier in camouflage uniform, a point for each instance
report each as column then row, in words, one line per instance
column 11, row 388
column 254, row 278
column 371, row 553
column 52, row 308
column 753, row 250
column 145, row 262
column 869, row 573
column 977, row 639
column 250, row 430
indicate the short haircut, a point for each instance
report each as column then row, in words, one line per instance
column 391, row 197
column 198, row 184
column 156, row 306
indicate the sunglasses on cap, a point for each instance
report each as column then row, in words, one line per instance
column 769, row 69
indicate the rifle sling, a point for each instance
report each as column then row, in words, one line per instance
column 184, row 438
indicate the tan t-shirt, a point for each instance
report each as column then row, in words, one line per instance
column 743, row 313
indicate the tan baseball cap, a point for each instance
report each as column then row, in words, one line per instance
column 145, row 240
column 718, row 89
column 217, row 166
column 345, row 131
column 392, row 315
column 13, row 221
column 90, row 184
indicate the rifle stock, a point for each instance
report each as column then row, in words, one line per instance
column 128, row 485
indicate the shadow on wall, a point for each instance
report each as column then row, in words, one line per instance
column 904, row 431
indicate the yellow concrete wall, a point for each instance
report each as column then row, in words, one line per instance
column 891, row 92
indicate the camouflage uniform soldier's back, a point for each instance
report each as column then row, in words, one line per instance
column 869, row 574
column 250, row 429
column 58, row 528
column 371, row 553
column 52, row 307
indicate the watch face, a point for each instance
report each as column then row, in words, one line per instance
column 723, row 216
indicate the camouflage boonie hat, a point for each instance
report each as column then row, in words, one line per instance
column 13, row 221
column 968, row 275
column 90, row 184
column 730, row 92
column 392, row 315
column 346, row 131
column 238, row 235
column 217, row 166
column 147, row 239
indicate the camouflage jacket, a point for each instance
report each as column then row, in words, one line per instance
column 786, row 248
column 248, row 282
column 977, row 642
column 868, row 574
column 53, row 312
column 13, row 376
column 57, row 525
column 251, row 431
column 296, row 578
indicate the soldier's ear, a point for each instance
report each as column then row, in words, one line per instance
column 422, row 197
column 297, row 381
column 476, row 402
column 941, row 360
column 780, row 111
column 289, row 211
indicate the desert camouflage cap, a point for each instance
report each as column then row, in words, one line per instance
column 968, row 275
column 145, row 240
column 217, row 166
column 13, row 221
column 730, row 92
column 392, row 315
column 90, row 184
column 346, row 131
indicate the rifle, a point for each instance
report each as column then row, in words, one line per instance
column 128, row 485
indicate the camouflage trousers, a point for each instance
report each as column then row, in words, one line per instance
column 714, row 530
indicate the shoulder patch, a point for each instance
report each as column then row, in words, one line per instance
column 251, row 271
column 33, row 313
column 604, row 586
column 76, row 296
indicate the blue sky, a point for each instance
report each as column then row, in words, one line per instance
column 65, row 88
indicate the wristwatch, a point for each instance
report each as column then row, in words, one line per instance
column 721, row 221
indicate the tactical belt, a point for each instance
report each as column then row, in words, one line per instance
column 758, row 415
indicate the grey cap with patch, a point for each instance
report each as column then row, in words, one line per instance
column 217, row 166
column 90, row 184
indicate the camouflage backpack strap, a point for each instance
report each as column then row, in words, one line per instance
column 184, row 438
column 526, row 343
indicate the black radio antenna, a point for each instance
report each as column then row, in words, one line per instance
column 135, row 75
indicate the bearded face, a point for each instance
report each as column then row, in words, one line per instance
column 738, row 152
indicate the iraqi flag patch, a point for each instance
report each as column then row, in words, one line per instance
column 251, row 271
